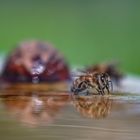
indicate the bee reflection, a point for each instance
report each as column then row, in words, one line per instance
column 96, row 107
column 35, row 110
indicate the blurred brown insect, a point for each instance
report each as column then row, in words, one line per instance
column 92, row 83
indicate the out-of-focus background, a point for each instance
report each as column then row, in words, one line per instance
column 86, row 31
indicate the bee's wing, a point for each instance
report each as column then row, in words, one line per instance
column 83, row 71
column 79, row 74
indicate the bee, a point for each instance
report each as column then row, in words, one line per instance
column 92, row 83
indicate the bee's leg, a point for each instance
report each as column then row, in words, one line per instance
column 106, row 82
column 100, row 92
column 72, row 89
column 88, row 92
column 107, row 88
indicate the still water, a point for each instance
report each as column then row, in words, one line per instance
column 52, row 116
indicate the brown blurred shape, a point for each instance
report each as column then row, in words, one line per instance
column 35, row 61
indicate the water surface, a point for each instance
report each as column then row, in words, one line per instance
column 55, row 117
